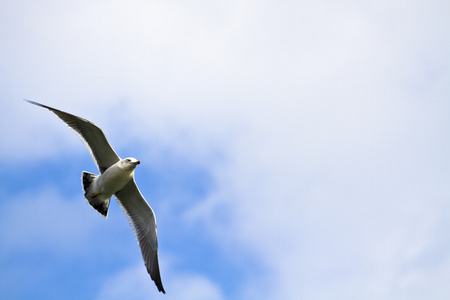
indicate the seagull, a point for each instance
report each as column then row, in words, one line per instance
column 116, row 178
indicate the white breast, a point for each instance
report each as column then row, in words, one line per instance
column 113, row 179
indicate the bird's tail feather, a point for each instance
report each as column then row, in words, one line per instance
column 98, row 204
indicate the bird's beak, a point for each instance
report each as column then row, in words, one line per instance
column 138, row 162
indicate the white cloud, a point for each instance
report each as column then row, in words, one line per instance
column 134, row 283
column 324, row 126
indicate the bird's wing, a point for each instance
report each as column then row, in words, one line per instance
column 92, row 136
column 142, row 220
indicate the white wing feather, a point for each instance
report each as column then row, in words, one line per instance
column 142, row 220
column 93, row 137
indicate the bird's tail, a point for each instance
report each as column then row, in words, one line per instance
column 99, row 204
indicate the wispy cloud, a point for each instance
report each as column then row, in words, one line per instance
column 132, row 283
column 316, row 135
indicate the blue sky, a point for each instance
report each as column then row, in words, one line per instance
column 290, row 150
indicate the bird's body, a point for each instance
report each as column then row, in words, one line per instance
column 116, row 178
column 99, row 191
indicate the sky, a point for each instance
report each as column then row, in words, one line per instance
column 290, row 150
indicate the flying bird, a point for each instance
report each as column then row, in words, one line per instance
column 116, row 178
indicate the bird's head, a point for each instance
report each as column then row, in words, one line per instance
column 130, row 163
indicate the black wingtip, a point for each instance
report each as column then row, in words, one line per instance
column 32, row 102
column 157, row 280
column 158, row 284
column 161, row 289
column 41, row 105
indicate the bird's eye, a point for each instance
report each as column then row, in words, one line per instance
column 127, row 160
